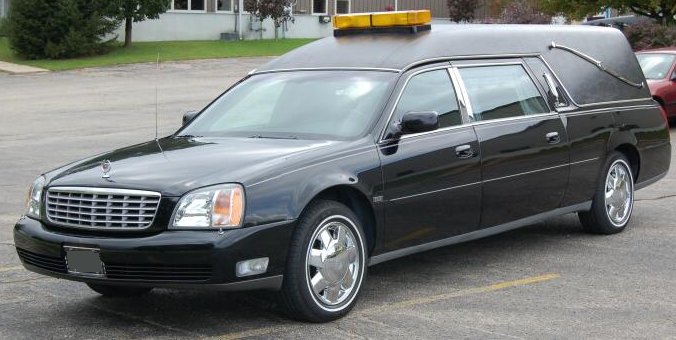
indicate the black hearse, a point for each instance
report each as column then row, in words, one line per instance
column 356, row 149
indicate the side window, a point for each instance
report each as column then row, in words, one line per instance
column 501, row 92
column 431, row 91
column 539, row 69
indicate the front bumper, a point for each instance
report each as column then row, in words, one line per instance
column 203, row 259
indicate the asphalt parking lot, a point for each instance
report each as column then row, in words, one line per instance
column 548, row 280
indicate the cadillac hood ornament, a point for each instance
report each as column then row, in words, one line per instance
column 105, row 169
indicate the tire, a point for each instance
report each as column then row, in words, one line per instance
column 326, row 265
column 118, row 291
column 611, row 216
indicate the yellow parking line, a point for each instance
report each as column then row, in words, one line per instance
column 9, row 269
column 404, row 304
column 462, row 292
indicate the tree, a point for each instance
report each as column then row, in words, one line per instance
column 462, row 10
column 59, row 28
column 523, row 12
column 277, row 10
column 661, row 10
column 131, row 11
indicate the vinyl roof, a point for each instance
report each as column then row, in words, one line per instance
column 397, row 50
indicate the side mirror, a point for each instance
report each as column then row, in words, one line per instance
column 188, row 116
column 416, row 122
column 673, row 76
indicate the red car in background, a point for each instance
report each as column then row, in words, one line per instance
column 659, row 69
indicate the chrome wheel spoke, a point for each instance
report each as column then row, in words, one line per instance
column 348, row 280
column 342, row 235
column 332, row 293
column 318, row 283
column 352, row 254
column 315, row 259
column 326, row 239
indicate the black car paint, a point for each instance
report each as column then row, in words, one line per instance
column 414, row 193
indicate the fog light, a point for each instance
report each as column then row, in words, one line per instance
column 252, row 267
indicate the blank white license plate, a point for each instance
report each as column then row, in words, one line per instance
column 84, row 261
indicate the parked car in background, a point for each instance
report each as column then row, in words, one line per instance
column 660, row 73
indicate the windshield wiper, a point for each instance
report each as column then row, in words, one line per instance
column 273, row 137
column 188, row 136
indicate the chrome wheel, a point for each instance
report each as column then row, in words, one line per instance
column 333, row 266
column 619, row 193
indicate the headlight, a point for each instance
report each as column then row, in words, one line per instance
column 219, row 206
column 34, row 198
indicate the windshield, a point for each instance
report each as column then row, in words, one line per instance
column 655, row 66
column 297, row 105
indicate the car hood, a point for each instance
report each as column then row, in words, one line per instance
column 174, row 166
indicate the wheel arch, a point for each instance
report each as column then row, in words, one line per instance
column 358, row 202
column 631, row 153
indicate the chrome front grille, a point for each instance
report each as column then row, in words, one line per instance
column 101, row 208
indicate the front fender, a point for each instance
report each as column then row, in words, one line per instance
column 285, row 196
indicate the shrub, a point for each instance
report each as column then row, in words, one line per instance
column 58, row 28
column 3, row 27
column 648, row 34
column 461, row 10
column 523, row 12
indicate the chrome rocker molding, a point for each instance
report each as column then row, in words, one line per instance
column 478, row 234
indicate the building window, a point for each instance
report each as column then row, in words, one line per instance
column 224, row 5
column 188, row 5
column 319, row 6
column 342, row 6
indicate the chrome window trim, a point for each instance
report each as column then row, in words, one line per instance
column 574, row 102
column 548, row 115
column 463, row 93
column 280, row 70
column 111, row 191
column 467, row 57
column 487, row 64
column 431, row 133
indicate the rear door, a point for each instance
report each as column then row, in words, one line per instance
column 524, row 145
column 432, row 179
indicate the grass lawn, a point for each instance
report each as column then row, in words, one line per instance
column 141, row 52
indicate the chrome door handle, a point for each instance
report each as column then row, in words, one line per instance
column 464, row 151
column 553, row 138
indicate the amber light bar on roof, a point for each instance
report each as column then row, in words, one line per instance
column 382, row 19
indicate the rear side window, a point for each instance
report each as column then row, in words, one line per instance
column 502, row 91
column 431, row 91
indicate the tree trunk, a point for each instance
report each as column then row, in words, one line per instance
column 127, row 32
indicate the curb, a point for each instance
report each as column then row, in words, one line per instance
column 12, row 68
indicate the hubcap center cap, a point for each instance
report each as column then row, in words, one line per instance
column 335, row 264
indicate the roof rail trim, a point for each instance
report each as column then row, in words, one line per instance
column 378, row 69
column 462, row 57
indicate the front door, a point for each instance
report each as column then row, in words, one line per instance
column 431, row 180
